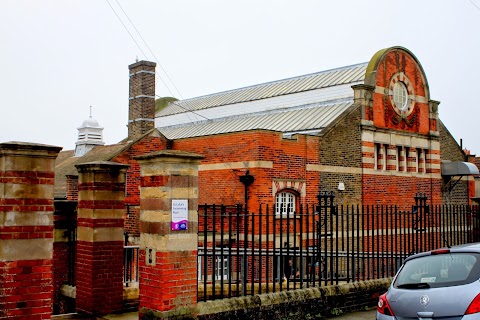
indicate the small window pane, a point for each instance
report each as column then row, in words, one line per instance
column 285, row 203
column 400, row 95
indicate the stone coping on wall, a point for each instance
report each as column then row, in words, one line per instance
column 271, row 300
column 333, row 299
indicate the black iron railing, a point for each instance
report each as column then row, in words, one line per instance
column 244, row 253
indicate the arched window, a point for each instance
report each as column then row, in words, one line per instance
column 285, row 202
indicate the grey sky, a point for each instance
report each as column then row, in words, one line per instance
column 59, row 57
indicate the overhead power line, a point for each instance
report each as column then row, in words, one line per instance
column 127, row 29
column 144, row 54
column 187, row 110
column 476, row 6
column 153, row 54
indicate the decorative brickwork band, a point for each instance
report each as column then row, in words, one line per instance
column 99, row 265
column 168, row 250
column 26, row 230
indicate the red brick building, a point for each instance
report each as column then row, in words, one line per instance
column 369, row 132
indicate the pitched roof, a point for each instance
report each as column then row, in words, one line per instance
column 303, row 104
column 310, row 119
column 65, row 163
column 323, row 79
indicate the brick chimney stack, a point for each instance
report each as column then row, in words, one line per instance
column 141, row 111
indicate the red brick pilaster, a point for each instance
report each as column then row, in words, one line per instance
column 168, row 258
column 99, row 264
column 26, row 230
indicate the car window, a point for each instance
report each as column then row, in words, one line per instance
column 441, row 270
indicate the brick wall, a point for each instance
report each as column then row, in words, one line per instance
column 149, row 143
column 450, row 150
column 398, row 190
column 265, row 154
column 341, row 147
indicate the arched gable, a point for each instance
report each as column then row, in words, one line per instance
column 401, row 95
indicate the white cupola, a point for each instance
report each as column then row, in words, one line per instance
column 89, row 135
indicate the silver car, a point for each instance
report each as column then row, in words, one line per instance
column 439, row 284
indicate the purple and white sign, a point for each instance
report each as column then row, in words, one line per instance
column 179, row 214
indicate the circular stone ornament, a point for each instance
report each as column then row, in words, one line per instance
column 402, row 97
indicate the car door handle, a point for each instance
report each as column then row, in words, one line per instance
column 425, row 315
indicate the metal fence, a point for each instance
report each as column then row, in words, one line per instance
column 244, row 253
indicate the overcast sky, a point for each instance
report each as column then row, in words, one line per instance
column 59, row 57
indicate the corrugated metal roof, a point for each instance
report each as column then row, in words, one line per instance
column 345, row 75
column 309, row 118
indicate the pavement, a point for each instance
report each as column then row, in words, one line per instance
column 123, row 316
column 360, row 315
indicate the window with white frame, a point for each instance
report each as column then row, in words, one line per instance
column 284, row 203
column 400, row 95
column 221, row 268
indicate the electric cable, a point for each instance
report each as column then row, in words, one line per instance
column 146, row 57
column 153, row 54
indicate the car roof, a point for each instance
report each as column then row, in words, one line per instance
column 468, row 247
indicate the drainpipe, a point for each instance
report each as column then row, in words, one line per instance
column 247, row 180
